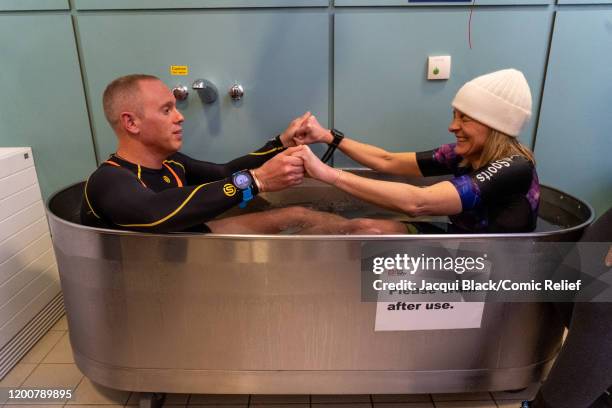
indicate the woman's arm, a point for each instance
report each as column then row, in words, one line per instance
column 371, row 156
column 438, row 199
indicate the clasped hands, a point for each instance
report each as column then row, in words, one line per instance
column 289, row 167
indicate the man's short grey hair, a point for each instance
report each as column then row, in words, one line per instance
column 120, row 91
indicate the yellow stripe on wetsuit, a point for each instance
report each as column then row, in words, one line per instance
column 87, row 200
column 266, row 152
column 172, row 214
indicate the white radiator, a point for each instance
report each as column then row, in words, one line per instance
column 29, row 281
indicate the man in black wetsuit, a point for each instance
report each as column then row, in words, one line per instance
column 147, row 185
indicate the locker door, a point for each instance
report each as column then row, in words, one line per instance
column 573, row 142
column 381, row 94
column 44, row 103
column 281, row 58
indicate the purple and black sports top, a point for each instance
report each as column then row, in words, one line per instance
column 501, row 196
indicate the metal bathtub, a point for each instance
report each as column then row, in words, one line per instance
column 282, row 314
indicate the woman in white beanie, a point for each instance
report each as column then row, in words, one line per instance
column 495, row 186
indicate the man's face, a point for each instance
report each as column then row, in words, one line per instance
column 161, row 123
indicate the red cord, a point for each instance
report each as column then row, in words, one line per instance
column 470, row 25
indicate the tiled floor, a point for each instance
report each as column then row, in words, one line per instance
column 50, row 364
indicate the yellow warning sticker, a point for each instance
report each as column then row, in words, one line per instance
column 179, row 70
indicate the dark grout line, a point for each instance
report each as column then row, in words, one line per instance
column 544, row 77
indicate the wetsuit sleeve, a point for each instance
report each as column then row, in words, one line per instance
column 116, row 196
column 438, row 162
column 494, row 182
column 197, row 171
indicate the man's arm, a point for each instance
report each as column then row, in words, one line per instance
column 198, row 171
column 201, row 172
column 116, row 196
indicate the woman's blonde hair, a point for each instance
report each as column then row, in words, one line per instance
column 499, row 145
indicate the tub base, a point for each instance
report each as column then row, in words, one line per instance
column 311, row 381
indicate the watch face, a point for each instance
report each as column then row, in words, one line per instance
column 242, row 180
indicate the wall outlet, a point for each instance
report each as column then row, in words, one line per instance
column 439, row 67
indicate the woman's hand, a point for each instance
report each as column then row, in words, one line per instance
column 315, row 167
column 311, row 131
column 288, row 136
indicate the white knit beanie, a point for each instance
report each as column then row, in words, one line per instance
column 501, row 100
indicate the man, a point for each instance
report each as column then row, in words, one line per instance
column 148, row 186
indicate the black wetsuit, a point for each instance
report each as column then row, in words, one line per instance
column 501, row 196
column 181, row 196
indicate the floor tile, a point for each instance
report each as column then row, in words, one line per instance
column 171, row 399
column 97, row 406
column 527, row 394
column 509, row 403
column 17, row 375
column 61, row 353
column 89, row 393
column 341, row 399
column 465, row 404
column 32, row 406
column 401, row 398
column 343, row 405
column 285, row 406
column 466, row 396
column 404, row 405
column 279, row 399
column 66, row 376
column 221, row 399
column 221, row 406
column 61, row 325
column 43, row 347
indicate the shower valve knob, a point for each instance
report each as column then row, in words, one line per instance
column 236, row 92
column 180, row 92
column 206, row 89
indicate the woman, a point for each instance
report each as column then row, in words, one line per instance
column 495, row 186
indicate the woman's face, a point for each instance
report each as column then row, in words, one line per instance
column 471, row 135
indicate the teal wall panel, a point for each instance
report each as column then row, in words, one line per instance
column 280, row 57
column 43, row 103
column 26, row 5
column 585, row 1
column 574, row 136
column 381, row 94
column 177, row 4
column 377, row 3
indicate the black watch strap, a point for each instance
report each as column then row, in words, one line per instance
column 338, row 136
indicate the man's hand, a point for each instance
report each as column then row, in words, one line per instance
column 288, row 136
column 282, row 171
column 311, row 131
column 315, row 167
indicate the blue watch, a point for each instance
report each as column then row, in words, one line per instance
column 244, row 181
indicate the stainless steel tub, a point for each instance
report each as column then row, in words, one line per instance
column 237, row 314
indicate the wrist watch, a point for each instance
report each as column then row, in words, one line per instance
column 338, row 136
column 244, row 181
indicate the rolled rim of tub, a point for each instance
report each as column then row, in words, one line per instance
column 578, row 208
